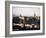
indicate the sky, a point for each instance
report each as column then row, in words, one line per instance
column 25, row 11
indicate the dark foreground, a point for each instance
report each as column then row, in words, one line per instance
column 26, row 23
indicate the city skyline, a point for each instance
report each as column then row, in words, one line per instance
column 25, row 11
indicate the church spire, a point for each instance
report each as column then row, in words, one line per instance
column 20, row 15
column 34, row 14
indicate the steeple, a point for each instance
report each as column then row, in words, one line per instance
column 34, row 15
column 20, row 15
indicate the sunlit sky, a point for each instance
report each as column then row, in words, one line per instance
column 25, row 11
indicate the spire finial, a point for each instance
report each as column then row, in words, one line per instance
column 34, row 14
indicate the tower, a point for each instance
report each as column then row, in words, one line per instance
column 20, row 15
column 34, row 15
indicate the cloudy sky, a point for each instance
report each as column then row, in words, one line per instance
column 25, row 11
